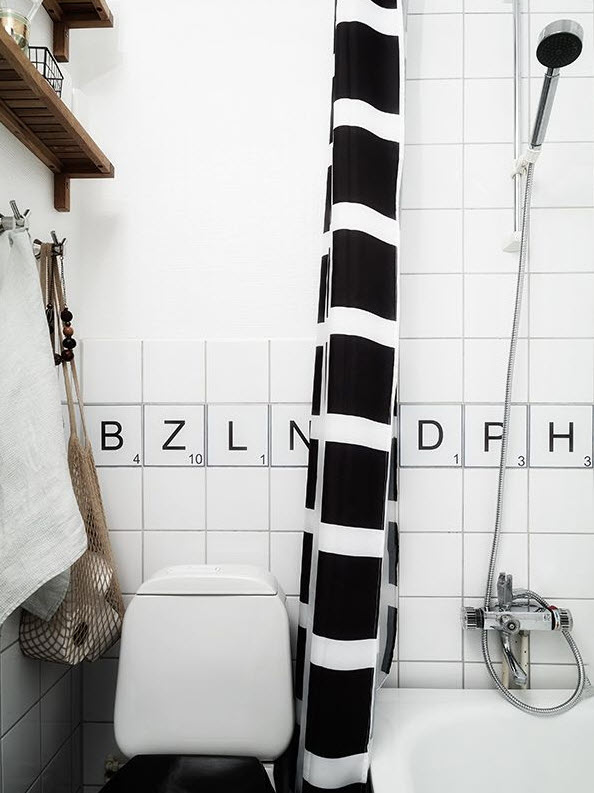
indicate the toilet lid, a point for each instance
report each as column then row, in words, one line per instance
column 226, row 579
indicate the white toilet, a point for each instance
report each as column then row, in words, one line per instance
column 205, row 665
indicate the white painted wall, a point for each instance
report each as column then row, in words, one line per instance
column 215, row 114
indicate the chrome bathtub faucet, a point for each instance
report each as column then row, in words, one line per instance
column 513, row 615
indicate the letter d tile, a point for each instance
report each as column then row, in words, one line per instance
column 431, row 435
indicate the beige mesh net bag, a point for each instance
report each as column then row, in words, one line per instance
column 88, row 621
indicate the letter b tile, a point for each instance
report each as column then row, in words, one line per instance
column 116, row 434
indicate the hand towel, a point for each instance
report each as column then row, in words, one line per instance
column 41, row 531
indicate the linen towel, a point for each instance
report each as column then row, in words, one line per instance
column 41, row 530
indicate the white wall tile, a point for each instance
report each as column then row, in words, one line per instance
column 112, row 371
column 487, row 182
column 565, row 176
column 287, row 499
column 430, row 499
column 477, row 676
column 555, row 6
column 291, row 370
column 434, row 111
column 98, row 742
column 480, row 496
column 562, row 370
column 174, row 435
column 174, row 370
column 562, row 240
column 238, row 547
column 20, row 686
column 488, row 45
column 488, row 111
column 121, row 491
column 167, row 548
column 21, row 754
column 486, row 233
column 431, row 241
column 426, row 55
column 57, row 775
column 513, row 558
column 562, row 566
column 572, row 118
column 237, row 435
column 562, row 305
column 174, row 498
column 9, row 632
column 553, row 676
column 443, row 642
column 127, row 549
column 55, row 716
column 434, row 6
column 489, row 305
column 431, row 306
column 237, row 371
column 237, row 499
column 432, row 177
column 561, row 500
column 485, row 369
column 430, row 564
column 430, row 675
column 431, row 370
column 99, row 689
column 285, row 559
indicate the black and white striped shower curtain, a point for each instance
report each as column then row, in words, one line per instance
column 347, row 622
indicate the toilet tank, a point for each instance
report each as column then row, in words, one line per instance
column 205, row 665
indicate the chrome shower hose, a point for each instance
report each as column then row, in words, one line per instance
column 524, row 595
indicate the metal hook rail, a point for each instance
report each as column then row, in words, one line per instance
column 14, row 221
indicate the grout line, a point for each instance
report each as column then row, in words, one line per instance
column 464, row 342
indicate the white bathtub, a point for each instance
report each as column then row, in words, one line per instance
column 434, row 741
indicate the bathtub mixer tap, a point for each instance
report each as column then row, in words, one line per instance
column 517, row 611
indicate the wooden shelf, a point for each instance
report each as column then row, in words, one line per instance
column 67, row 14
column 36, row 115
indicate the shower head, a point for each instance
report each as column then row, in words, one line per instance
column 559, row 44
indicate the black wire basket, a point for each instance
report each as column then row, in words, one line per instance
column 45, row 63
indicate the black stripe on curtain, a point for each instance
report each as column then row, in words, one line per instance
column 358, row 44
column 353, row 489
column 365, row 170
column 343, row 611
column 363, row 273
column 360, row 373
column 344, row 697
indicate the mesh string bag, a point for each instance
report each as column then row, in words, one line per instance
column 89, row 619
